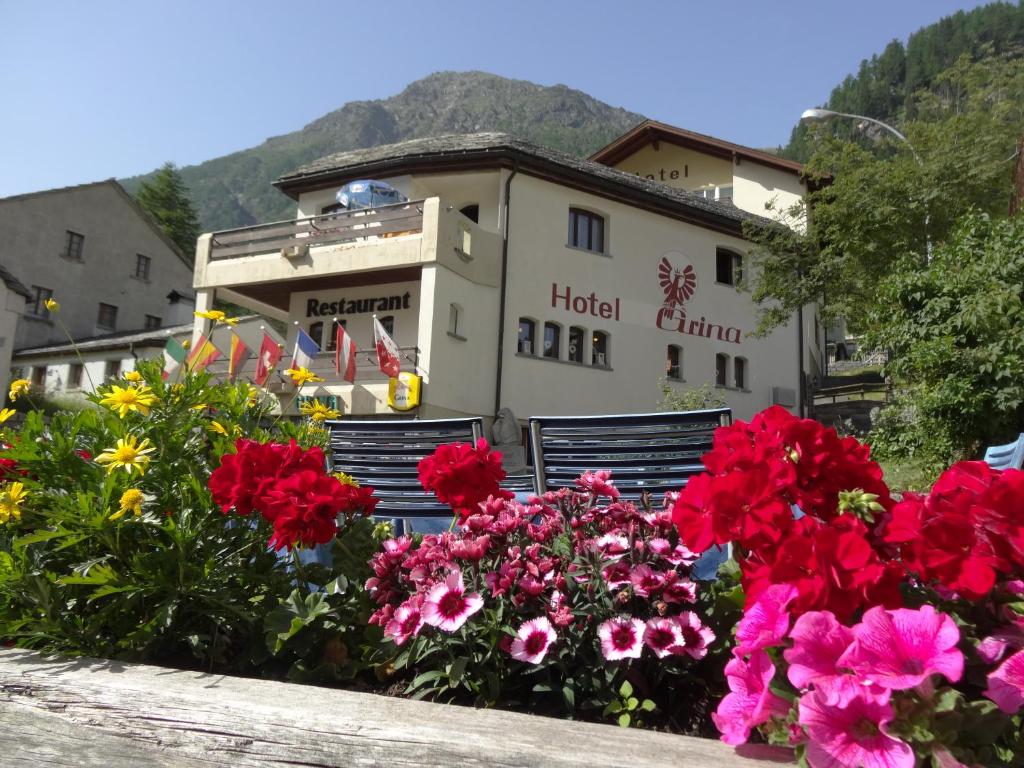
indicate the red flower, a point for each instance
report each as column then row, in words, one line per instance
column 304, row 509
column 244, row 477
column 463, row 476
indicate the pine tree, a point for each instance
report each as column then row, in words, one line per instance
column 165, row 197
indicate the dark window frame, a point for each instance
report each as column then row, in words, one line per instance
column 37, row 307
column 316, row 333
column 581, row 336
column 75, row 371
column 530, row 337
column 674, row 368
column 728, row 267
column 721, row 370
column 143, row 264
column 740, row 372
column 600, row 345
column 104, row 311
column 74, row 246
column 153, row 322
column 554, row 351
column 112, row 369
column 586, row 230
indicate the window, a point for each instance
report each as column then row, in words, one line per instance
column 332, row 340
column 586, row 230
column 107, row 317
column 454, row 319
column 721, row 370
column 739, row 368
column 471, row 212
column 725, row 193
column 674, row 362
column 142, row 266
column 37, row 306
column 74, row 376
column 577, row 336
column 316, row 333
column 73, row 247
column 728, row 267
column 153, row 322
column 39, row 376
column 527, row 330
column 552, row 340
column 599, row 353
column 389, row 325
column 112, row 369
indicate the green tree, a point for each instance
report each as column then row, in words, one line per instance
column 166, row 198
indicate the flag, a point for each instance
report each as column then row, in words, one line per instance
column 270, row 355
column 238, row 350
column 174, row 356
column 345, row 356
column 202, row 354
column 387, row 350
column 305, row 351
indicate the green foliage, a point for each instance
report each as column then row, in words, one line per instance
column 954, row 329
column 165, row 197
column 692, row 399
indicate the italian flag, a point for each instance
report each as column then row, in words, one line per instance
column 174, row 356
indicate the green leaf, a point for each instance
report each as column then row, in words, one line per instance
column 624, row 720
column 626, row 689
column 456, row 670
column 647, row 705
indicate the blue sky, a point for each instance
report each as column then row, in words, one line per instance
column 104, row 88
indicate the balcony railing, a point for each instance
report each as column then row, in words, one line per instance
column 295, row 238
column 367, row 370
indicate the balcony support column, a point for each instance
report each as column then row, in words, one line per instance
column 204, row 303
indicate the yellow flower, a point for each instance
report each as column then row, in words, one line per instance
column 216, row 426
column 317, row 411
column 11, row 499
column 131, row 501
column 302, row 376
column 344, row 479
column 124, row 399
column 218, row 317
column 18, row 387
column 6, row 413
column 186, row 344
column 129, row 453
column 52, row 304
column 254, row 396
column 133, row 376
column 197, row 407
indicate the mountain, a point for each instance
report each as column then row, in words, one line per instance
column 235, row 190
column 885, row 83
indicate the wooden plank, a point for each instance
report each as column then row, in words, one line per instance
column 347, row 232
column 87, row 712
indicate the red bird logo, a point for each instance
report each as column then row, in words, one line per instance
column 677, row 284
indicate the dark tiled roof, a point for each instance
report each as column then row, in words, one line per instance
column 484, row 148
column 14, row 283
column 154, row 338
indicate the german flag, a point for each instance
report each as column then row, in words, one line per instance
column 237, row 355
column 202, row 354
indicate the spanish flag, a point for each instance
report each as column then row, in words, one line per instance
column 237, row 356
column 202, row 354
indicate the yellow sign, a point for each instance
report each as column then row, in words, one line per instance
column 404, row 391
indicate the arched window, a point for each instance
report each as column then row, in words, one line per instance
column 599, row 352
column 316, row 333
column 527, row 335
column 721, row 370
column 739, row 368
column 455, row 320
column 471, row 212
column 577, row 338
column 552, row 340
column 586, row 230
column 388, row 323
column 674, row 362
column 332, row 340
column 728, row 267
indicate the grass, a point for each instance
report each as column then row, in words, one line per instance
column 903, row 475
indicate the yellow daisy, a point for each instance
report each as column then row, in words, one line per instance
column 6, row 413
column 216, row 426
column 124, row 399
column 11, row 498
column 344, row 479
column 131, row 501
column 129, row 453
column 133, row 376
column 19, row 387
column 317, row 411
column 217, row 316
column 302, row 376
column 53, row 305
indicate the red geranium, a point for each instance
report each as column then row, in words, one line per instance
column 244, row 477
column 304, row 509
column 462, row 475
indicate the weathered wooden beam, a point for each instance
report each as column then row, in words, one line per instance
column 87, row 712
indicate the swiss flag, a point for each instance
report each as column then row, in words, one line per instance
column 270, row 355
column 345, row 356
column 387, row 350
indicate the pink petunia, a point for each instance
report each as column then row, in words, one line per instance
column 662, row 635
column 533, row 640
column 750, row 701
column 900, row 649
column 621, row 638
column 819, row 641
column 599, row 483
column 1006, row 684
column 447, row 606
column 406, row 621
column 694, row 636
column 766, row 622
column 853, row 735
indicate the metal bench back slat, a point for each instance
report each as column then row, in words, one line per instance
column 656, row 452
column 1009, row 456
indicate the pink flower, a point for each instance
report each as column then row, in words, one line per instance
column 679, row 591
column 621, row 638
column 1006, row 684
column 662, row 635
column 694, row 636
column 766, row 622
column 645, row 580
column 406, row 621
column 819, row 641
column 599, row 483
column 902, row 648
column 447, row 606
column 610, row 544
column 750, row 702
column 533, row 640
column 851, row 735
